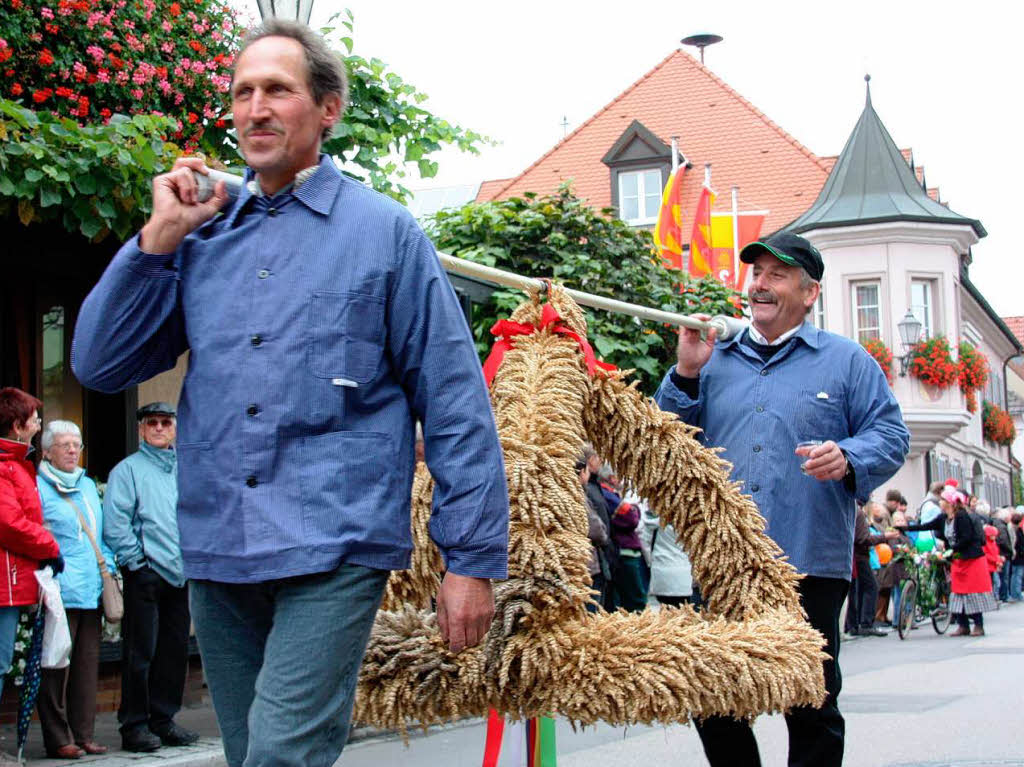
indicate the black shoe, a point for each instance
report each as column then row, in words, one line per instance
column 871, row 631
column 176, row 735
column 139, row 741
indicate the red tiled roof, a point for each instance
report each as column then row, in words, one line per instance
column 716, row 125
column 1016, row 325
column 489, row 189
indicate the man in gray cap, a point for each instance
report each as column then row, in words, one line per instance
column 810, row 425
column 140, row 526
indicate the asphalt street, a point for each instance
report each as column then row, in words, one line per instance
column 929, row 700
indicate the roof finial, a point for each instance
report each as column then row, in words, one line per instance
column 867, row 79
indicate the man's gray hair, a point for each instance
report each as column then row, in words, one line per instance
column 983, row 508
column 325, row 71
column 606, row 471
column 53, row 428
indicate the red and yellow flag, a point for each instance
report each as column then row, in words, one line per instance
column 701, row 257
column 748, row 229
column 668, row 232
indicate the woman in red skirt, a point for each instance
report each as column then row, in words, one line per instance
column 971, row 583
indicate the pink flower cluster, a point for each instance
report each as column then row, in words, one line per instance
column 88, row 59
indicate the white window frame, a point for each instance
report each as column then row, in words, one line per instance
column 642, row 194
column 877, row 284
column 925, row 312
column 818, row 310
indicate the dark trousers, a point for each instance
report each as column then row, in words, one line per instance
column 67, row 696
column 627, row 585
column 816, row 735
column 154, row 645
column 964, row 623
column 599, row 584
column 867, row 593
column 1004, row 580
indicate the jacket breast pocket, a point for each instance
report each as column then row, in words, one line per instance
column 347, row 335
column 821, row 417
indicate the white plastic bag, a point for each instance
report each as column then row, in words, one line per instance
column 56, row 635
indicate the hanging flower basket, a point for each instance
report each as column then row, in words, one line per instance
column 997, row 425
column 973, row 373
column 932, row 362
column 883, row 356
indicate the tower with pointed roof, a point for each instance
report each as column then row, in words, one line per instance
column 889, row 247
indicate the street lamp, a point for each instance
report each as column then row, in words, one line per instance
column 910, row 331
column 289, row 10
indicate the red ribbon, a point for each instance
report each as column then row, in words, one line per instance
column 506, row 330
column 495, row 732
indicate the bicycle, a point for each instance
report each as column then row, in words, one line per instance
column 925, row 594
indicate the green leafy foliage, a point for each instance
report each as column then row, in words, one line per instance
column 558, row 236
column 385, row 128
column 94, row 180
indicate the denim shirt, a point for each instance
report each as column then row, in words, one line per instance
column 319, row 323
column 819, row 386
column 139, row 521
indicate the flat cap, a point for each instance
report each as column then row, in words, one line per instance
column 156, row 408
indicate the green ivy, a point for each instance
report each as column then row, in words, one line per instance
column 93, row 179
column 559, row 236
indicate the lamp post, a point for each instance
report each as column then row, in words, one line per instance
column 289, row 10
column 910, row 331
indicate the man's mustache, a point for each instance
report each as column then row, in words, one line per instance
column 762, row 295
column 263, row 127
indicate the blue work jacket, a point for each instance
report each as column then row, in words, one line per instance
column 819, row 386
column 320, row 324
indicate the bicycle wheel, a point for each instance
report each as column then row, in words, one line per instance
column 941, row 615
column 908, row 607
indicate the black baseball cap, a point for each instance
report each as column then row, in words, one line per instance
column 790, row 249
column 156, row 408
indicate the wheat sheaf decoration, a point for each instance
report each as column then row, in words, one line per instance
column 749, row 652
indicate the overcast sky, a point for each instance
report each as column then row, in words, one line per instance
column 945, row 81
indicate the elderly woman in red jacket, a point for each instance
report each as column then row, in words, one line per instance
column 25, row 545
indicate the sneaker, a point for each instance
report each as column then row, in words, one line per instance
column 977, row 631
column 176, row 735
column 960, row 632
column 139, row 741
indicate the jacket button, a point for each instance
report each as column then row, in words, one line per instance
column 251, row 481
column 754, row 488
column 256, row 340
column 271, row 212
column 759, row 409
column 263, row 274
column 764, row 372
column 757, row 448
column 252, row 410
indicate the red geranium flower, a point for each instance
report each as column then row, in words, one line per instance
column 45, row 58
column 16, row 89
column 42, row 95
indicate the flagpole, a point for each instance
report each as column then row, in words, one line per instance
column 736, row 239
column 675, row 154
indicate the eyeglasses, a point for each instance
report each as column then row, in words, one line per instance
column 154, row 422
column 69, row 447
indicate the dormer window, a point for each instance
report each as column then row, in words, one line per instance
column 640, row 164
column 640, row 196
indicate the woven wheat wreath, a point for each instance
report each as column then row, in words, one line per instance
column 751, row 652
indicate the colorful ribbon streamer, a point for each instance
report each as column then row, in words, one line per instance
column 539, row 736
column 506, row 330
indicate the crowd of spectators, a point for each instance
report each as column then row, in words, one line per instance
column 52, row 515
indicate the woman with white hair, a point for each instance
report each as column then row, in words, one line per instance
column 74, row 514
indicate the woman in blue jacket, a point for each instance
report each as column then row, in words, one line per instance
column 67, row 696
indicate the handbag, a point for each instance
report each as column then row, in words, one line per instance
column 113, row 598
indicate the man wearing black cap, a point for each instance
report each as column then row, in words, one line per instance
column 759, row 395
column 140, row 526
